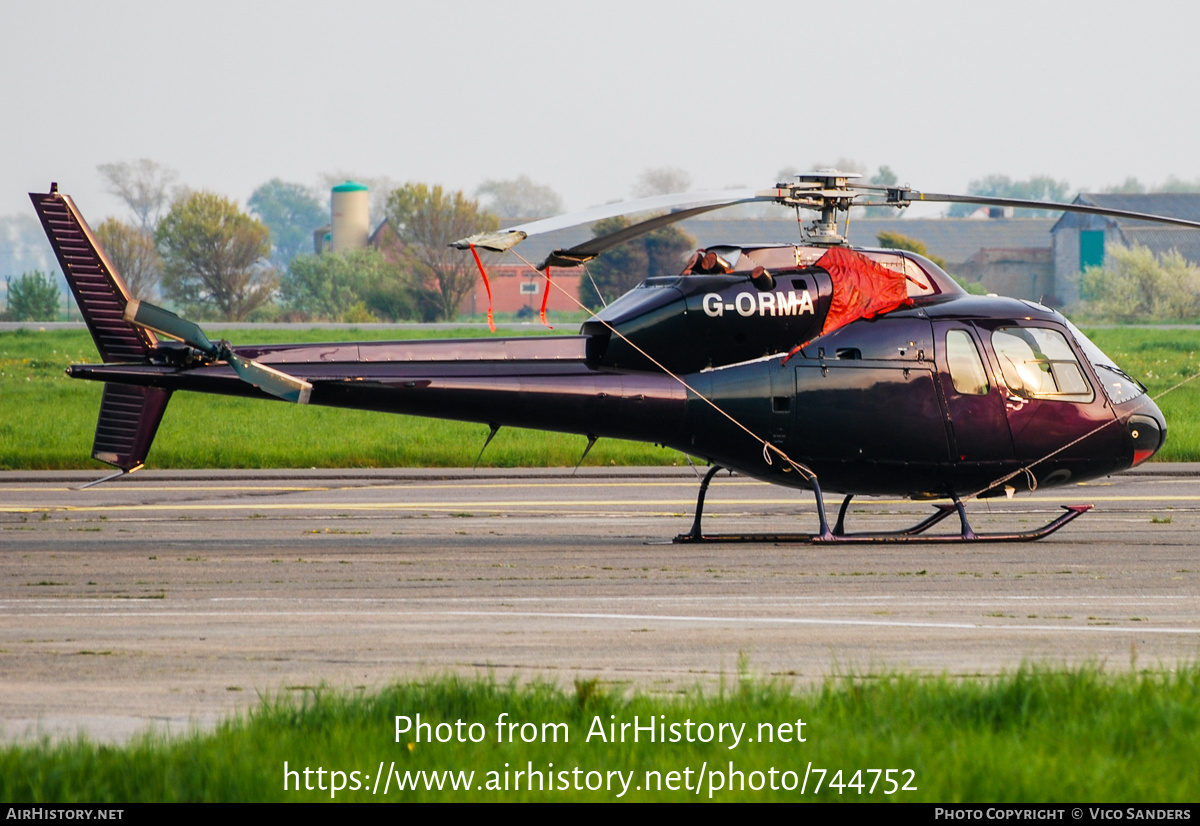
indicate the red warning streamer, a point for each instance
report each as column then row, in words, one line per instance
column 862, row 288
column 546, row 297
column 486, row 285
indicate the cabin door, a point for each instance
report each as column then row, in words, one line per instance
column 1053, row 409
column 979, row 430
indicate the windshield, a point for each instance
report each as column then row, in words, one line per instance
column 1119, row 386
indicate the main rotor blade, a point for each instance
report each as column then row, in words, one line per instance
column 270, row 380
column 507, row 238
column 985, row 200
column 166, row 322
column 581, row 253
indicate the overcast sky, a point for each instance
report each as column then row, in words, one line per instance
column 584, row 96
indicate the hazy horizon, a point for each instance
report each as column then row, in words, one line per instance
column 584, row 98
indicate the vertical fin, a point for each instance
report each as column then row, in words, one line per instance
column 129, row 416
column 129, row 419
column 98, row 288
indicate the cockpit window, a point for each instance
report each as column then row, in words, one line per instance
column 1039, row 364
column 966, row 368
column 918, row 282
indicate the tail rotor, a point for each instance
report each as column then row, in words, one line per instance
column 267, row 379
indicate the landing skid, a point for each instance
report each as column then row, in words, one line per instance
column 838, row 535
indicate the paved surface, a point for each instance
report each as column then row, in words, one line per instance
column 171, row 598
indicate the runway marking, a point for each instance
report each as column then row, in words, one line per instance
column 816, row 601
column 892, row 600
column 826, row 621
column 565, row 483
column 669, row 618
column 509, row 505
column 143, row 489
column 1181, row 498
column 495, row 513
column 499, row 506
column 465, row 483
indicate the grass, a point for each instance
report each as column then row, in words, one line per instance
column 1160, row 359
column 47, row 421
column 1038, row 735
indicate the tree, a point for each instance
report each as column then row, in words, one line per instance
column 213, row 257
column 1037, row 188
column 143, row 185
column 33, row 297
column 426, row 220
column 134, row 254
column 291, row 213
column 343, row 286
column 895, row 241
column 520, row 198
column 884, row 176
column 786, row 175
column 1131, row 186
column 664, row 180
column 843, row 164
column 1136, row 285
column 661, row 252
column 1175, row 184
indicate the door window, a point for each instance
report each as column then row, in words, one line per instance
column 966, row 368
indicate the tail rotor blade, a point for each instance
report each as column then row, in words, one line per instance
column 266, row 379
column 270, row 380
column 169, row 324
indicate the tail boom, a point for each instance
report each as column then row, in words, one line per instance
column 567, row 397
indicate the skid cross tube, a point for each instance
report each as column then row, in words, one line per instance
column 916, row 533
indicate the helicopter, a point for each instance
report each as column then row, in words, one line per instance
column 814, row 365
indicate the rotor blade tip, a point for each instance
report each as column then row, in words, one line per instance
column 494, row 241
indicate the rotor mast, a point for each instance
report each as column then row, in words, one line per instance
column 827, row 190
